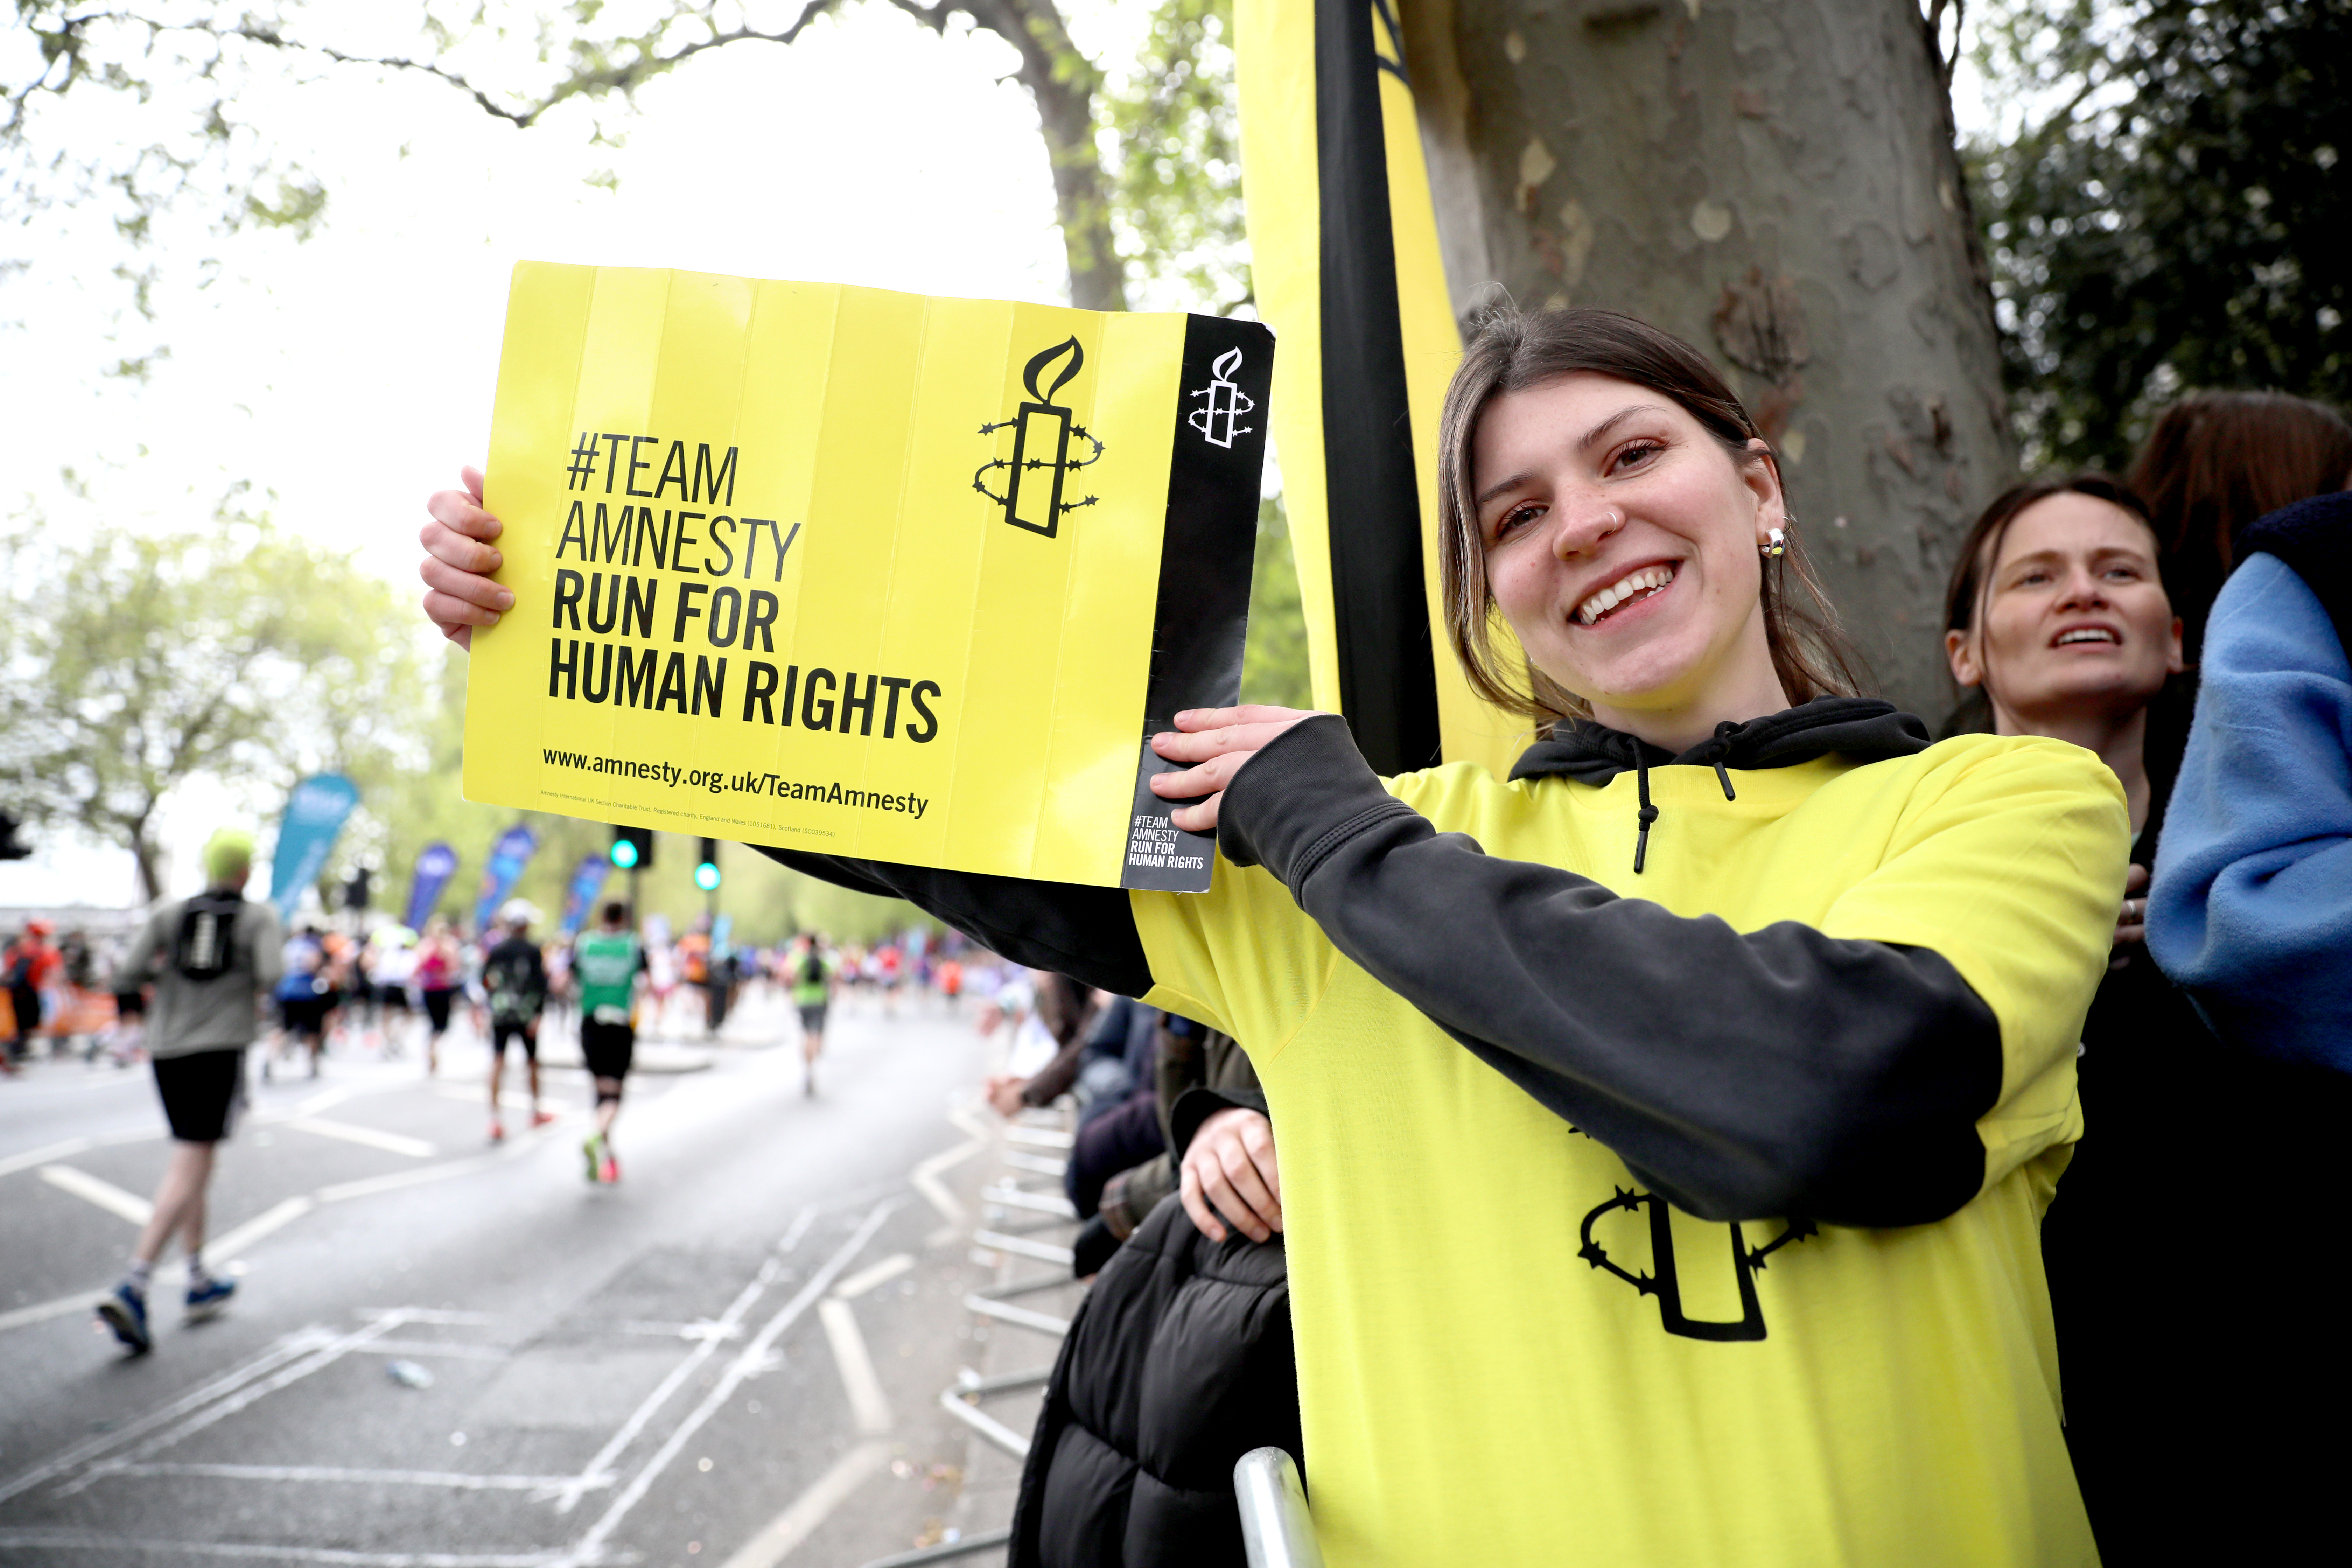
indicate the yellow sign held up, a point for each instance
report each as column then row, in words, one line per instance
column 863, row 573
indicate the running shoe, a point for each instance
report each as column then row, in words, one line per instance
column 594, row 1148
column 610, row 1172
column 498, row 1130
column 125, row 1312
column 207, row 1296
column 541, row 1118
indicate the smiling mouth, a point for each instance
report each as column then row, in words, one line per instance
column 2090, row 635
column 1647, row 583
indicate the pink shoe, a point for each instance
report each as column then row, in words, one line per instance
column 498, row 1130
column 541, row 1118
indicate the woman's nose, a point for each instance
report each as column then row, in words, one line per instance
column 1581, row 526
column 2082, row 587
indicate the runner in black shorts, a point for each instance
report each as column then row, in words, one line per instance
column 515, row 977
column 609, row 966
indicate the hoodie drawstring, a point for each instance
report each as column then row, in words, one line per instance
column 1649, row 812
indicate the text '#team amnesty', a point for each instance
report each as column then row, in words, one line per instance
column 899, row 578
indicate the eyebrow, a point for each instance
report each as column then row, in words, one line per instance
column 2103, row 553
column 1584, row 443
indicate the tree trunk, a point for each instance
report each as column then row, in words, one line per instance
column 1061, row 83
column 1774, row 181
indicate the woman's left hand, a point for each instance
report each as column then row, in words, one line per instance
column 2131, row 920
column 1216, row 742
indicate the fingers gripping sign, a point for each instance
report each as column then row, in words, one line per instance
column 1216, row 742
column 1230, row 1168
column 458, row 560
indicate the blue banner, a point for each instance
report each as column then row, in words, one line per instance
column 436, row 864
column 509, row 856
column 315, row 815
column 586, row 883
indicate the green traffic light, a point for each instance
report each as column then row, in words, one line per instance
column 625, row 853
column 706, row 876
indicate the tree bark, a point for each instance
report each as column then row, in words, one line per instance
column 1775, row 182
column 1063, row 82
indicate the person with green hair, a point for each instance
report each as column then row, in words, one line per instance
column 202, row 970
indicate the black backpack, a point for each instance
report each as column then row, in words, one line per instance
column 205, row 945
column 812, row 969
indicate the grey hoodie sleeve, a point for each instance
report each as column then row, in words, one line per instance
column 1780, row 1072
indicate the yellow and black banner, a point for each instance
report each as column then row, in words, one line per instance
column 1344, row 256
column 898, row 578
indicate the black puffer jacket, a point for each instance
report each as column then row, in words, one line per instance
column 1179, row 1364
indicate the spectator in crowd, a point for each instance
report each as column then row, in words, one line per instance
column 1734, row 948
column 1065, row 1007
column 213, row 960
column 2251, row 914
column 2056, row 619
column 27, row 967
column 1178, row 1362
column 2213, row 463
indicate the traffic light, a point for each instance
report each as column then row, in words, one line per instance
column 633, row 848
column 706, row 870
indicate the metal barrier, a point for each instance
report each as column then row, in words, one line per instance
column 1278, row 1531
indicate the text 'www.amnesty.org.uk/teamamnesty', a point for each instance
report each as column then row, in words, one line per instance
column 774, row 786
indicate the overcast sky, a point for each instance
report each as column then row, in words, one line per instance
column 348, row 378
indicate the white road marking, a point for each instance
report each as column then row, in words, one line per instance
column 260, row 1225
column 300, row 1343
column 221, row 1409
column 867, row 1401
column 454, row 1480
column 590, row 1547
column 42, row 1311
column 619, row 1442
column 104, row 1193
column 31, row 1157
column 926, row 1179
column 92, row 1541
column 811, row 1509
column 352, row 1132
column 865, row 1279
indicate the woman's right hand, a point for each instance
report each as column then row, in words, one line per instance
column 458, row 560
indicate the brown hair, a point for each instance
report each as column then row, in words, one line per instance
column 1511, row 349
column 2216, row 461
column 1964, row 598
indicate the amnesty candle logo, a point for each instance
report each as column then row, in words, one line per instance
column 1041, row 457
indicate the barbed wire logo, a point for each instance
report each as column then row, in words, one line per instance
column 1041, row 461
column 1215, row 419
column 1747, row 1262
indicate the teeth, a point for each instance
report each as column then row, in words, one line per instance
column 1647, row 581
column 2087, row 634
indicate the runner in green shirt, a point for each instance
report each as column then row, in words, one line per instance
column 812, row 968
column 608, row 965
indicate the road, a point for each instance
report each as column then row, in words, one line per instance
column 734, row 1357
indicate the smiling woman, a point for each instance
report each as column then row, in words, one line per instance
column 1732, row 947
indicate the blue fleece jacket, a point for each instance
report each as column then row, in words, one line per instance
column 2251, row 908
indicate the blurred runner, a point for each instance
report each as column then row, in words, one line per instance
column 301, row 1001
column 516, row 979
column 436, row 983
column 220, row 958
column 610, row 965
column 812, row 970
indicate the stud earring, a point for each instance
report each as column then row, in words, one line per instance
column 1776, row 544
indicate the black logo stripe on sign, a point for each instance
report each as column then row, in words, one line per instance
column 1205, row 555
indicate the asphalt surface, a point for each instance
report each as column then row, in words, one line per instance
column 446, row 1354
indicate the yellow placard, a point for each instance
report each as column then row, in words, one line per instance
column 860, row 572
